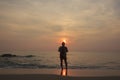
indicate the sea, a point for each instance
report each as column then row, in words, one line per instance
column 50, row 60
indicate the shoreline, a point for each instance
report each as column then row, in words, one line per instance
column 54, row 74
column 52, row 77
column 71, row 72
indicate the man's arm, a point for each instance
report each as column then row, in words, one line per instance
column 59, row 49
column 66, row 49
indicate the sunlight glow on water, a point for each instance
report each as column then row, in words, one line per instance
column 64, row 72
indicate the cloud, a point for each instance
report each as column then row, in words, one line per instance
column 84, row 22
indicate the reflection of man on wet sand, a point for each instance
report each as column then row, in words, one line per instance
column 63, row 52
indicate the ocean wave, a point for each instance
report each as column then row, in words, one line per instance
column 37, row 62
column 11, row 64
column 9, row 55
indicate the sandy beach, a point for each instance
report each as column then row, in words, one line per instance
column 53, row 74
column 52, row 77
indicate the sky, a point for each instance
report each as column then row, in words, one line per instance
column 86, row 25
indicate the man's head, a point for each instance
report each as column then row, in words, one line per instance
column 63, row 43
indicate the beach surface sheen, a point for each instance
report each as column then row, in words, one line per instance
column 54, row 74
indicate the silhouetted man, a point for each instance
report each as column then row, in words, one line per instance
column 63, row 52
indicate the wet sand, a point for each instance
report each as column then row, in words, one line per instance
column 53, row 74
column 52, row 77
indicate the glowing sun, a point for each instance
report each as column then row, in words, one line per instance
column 64, row 40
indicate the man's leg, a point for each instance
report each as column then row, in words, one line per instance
column 61, row 63
column 66, row 65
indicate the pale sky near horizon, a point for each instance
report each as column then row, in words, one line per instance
column 42, row 24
